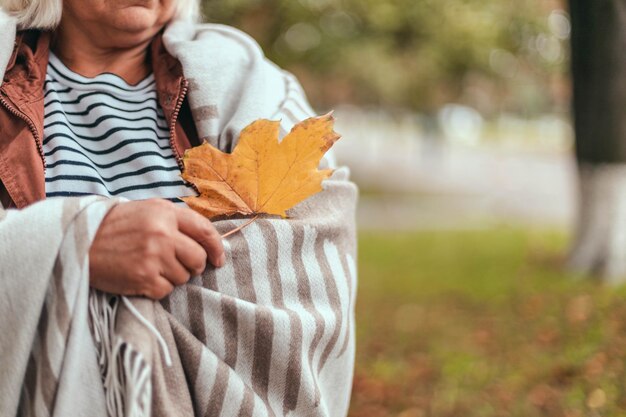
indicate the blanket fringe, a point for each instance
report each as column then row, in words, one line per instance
column 126, row 374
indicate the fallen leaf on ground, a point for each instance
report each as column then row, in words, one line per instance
column 597, row 399
column 261, row 175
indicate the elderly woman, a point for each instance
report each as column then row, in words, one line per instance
column 102, row 97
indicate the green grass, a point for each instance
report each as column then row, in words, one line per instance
column 484, row 323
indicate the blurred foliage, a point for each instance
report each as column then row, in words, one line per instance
column 494, row 55
column 483, row 324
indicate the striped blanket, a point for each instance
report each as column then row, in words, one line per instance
column 269, row 334
column 48, row 362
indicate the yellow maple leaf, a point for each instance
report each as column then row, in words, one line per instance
column 261, row 175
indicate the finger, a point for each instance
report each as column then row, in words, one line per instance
column 190, row 254
column 202, row 231
column 160, row 289
column 174, row 271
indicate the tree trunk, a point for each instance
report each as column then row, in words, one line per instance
column 599, row 75
column 599, row 246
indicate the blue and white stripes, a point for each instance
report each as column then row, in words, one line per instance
column 104, row 136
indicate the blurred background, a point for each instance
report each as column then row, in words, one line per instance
column 457, row 127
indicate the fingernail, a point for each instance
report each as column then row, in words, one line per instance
column 222, row 260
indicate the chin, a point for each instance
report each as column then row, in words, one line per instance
column 136, row 20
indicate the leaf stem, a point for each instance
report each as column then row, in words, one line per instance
column 225, row 235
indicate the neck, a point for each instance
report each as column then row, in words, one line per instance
column 86, row 56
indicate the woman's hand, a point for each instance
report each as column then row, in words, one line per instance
column 148, row 247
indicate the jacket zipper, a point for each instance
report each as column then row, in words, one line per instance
column 30, row 124
column 179, row 104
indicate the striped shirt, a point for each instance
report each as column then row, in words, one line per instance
column 104, row 136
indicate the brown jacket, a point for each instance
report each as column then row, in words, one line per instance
column 22, row 163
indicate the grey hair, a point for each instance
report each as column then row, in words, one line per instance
column 46, row 14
